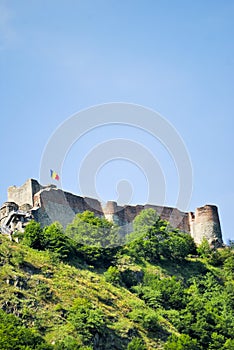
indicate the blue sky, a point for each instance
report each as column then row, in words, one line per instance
column 175, row 57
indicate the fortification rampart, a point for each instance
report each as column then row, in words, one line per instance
column 49, row 204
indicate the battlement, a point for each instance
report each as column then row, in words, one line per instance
column 48, row 204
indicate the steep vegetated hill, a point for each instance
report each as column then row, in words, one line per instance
column 87, row 289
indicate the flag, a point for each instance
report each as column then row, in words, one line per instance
column 54, row 175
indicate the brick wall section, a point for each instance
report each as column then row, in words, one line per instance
column 51, row 204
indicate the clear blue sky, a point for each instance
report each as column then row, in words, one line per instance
column 176, row 57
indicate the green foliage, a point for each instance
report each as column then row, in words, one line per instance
column 86, row 320
column 177, row 246
column 50, row 238
column 142, row 223
column 34, row 236
column 15, row 336
column 183, row 342
column 136, row 344
column 83, row 297
column 131, row 277
column 147, row 318
column 158, row 240
column 89, row 229
column 229, row 345
column 97, row 256
column 204, row 249
column 57, row 242
column 112, row 275
column 167, row 292
column 229, row 267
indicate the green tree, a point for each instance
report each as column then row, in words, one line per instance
column 34, row 235
column 142, row 223
column 204, row 249
column 57, row 242
column 177, row 246
column 89, row 229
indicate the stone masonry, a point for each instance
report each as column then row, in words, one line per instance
column 47, row 204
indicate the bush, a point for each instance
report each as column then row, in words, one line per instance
column 147, row 318
column 97, row 256
column 131, row 277
column 112, row 275
column 51, row 237
column 57, row 242
column 86, row 319
column 15, row 336
column 136, row 344
column 183, row 342
column 204, row 249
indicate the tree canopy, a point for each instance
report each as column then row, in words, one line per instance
column 88, row 229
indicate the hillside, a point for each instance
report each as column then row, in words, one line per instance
column 146, row 294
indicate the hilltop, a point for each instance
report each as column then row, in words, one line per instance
column 157, row 291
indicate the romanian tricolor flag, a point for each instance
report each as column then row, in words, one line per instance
column 54, row 175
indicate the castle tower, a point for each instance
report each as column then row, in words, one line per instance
column 205, row 223
column 109, row 210
column 25, row 193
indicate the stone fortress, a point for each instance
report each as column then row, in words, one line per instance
column 46, row 204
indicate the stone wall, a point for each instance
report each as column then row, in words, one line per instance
column 205, row 223
column 25, row 193
column 51, row 204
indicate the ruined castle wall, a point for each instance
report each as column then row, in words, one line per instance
column 205, row 223
column 24, row 194
column 176, row 218
column 51, row 204
column 125, row 215
column 57, row 205
column 5, row 210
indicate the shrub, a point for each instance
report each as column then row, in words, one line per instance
column 112, row 275
column 183, row 342
column 147, row 318
column 15, row 336
column 204, row 249
column 86, row 319
column 136, row 344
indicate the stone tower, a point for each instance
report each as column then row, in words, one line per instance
column 205, row 223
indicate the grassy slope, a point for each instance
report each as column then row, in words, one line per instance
column 40, row 290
